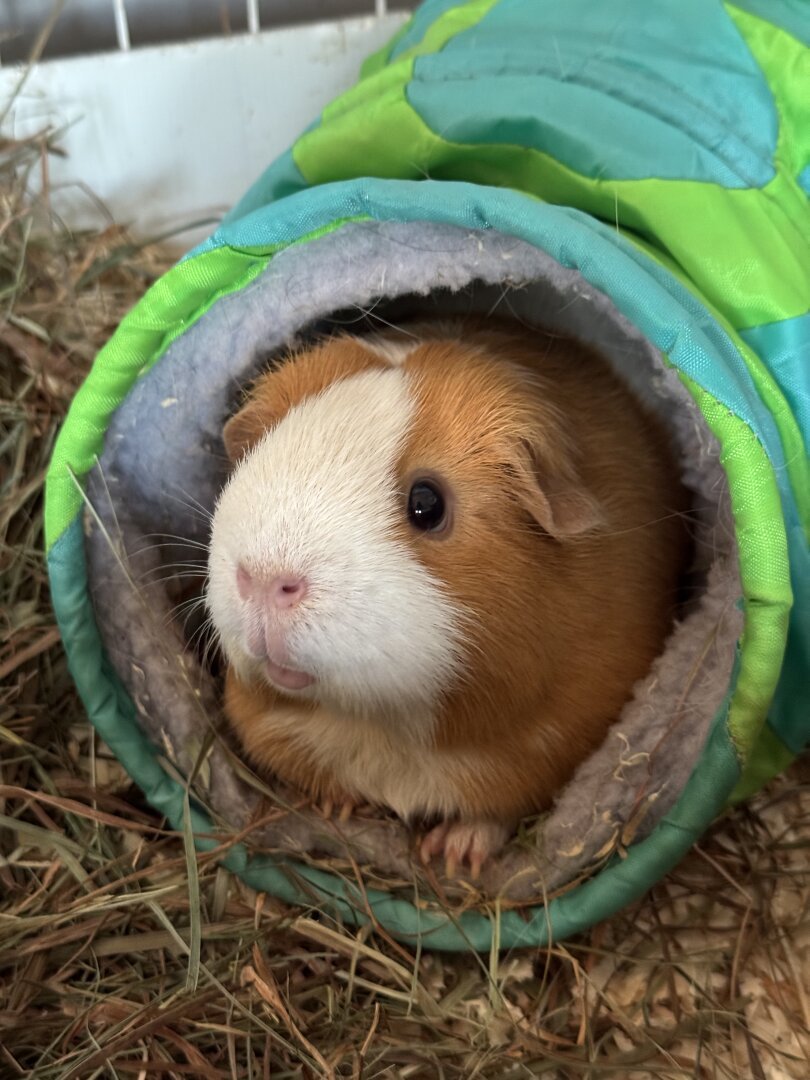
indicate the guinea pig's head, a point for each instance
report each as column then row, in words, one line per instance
column 382, row 509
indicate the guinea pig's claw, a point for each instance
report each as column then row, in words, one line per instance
column 460, row 842
column 346, row 804
column 433, row 842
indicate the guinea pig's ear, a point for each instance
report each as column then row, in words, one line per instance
column 244, row 429
column 550, row 488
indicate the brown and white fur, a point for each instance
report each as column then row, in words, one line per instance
column 460, row 676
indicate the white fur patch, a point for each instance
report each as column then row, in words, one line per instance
column 317, row 497
column 394, row 350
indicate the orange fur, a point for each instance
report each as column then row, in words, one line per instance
column 246, row 705
column 565, row 552
column 562, row 628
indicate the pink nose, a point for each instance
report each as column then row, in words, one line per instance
column 286, row 592
column 283, row 591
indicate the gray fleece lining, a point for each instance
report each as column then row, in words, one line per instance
column 164, row 463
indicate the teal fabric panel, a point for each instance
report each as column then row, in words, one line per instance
column 804, row 179
column 785, row 348
column 790, row 15
column 675, row 93
column 601, row 126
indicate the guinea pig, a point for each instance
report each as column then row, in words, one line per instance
column 441, row 562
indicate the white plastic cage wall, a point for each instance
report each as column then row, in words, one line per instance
column 168, row 109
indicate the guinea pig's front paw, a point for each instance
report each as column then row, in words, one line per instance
column 472, row 842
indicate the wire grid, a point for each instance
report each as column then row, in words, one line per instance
column 379, row 7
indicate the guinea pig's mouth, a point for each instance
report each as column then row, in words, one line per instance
column 286, row 678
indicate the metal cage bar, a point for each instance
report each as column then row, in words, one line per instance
column 253, row 20
column 121, row 25
column 252, row 10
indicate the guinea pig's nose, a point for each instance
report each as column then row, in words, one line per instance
column 282, row 591
column 286, row 592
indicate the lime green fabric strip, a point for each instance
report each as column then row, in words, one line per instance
column 796, row 459
column 764, row 567
column 173, row 304
column 374, row 63
column 372, row 97
column 368, row 98
column 378, row 77
column 454, row 21
column 438, row 33
column 785, row 61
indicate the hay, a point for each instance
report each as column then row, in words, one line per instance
column 123, row 954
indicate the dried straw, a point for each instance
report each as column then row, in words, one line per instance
column 122, row 955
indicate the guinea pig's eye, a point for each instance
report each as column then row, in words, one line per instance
column 427, row 506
